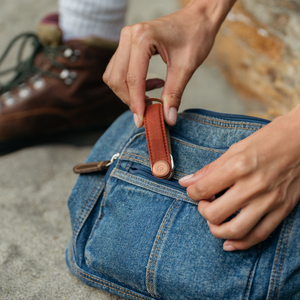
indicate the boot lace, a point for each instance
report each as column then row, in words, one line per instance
column 24, row 69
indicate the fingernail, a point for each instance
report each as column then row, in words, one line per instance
column 185, row 178
column 173, row 115
column 136, row 120
column 208, row 223
column 228, row 247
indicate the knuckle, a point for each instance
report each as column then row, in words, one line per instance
column 140, row 31
column 261, row 235
column 112, row 83
column 175, row 97
column 237, row 147
column 210, row 215
column 131, row 79
column 260, row 182
column 201, row 191
column 235, row 233
column 278, row 195
column 126, row 32
column 105, row 78
column 215, row 233
column 242, row 165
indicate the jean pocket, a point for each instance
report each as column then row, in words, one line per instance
column 121, row 241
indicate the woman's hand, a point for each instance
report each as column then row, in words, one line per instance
column 262, row 174
column 183, row 40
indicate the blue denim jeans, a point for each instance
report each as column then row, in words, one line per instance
column 140, row 237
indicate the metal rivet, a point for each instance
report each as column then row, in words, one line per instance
column 25, row 92
column 39, row 84
column 9, row 101
column 161, row 168
column 68, row 52
column 64, row 74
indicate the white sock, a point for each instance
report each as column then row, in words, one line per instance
column 100, row 18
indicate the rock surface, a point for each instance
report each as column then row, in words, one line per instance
column 258, row 49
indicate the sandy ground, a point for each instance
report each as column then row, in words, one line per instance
column 35, row 182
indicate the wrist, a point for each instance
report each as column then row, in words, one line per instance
column 215, row 10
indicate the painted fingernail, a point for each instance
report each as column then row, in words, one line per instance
column 136, row 120
column 185, row 178
column 228, row 247
column 173, row 115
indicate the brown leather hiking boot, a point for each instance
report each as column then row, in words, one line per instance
column 57, row 90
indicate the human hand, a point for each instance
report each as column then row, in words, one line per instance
column 183, row 40
column 262, row 174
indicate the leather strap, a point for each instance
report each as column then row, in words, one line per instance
column 91, row 167
column 158, row 141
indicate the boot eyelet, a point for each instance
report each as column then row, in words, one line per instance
column 8, row 99
column 68, row 52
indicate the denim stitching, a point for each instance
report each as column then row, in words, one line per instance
column 155, row 244
column 100, row 215
column 75, row 232
column 248, row 285
column 135, row 155
column 157, row 251
column 106, row 284
column 220, row 120
column 152, row 189
column 227, row 127
column 136, row 159
column 283, row 255
column 155, row 189
column 276, row 261
column 202, row 148
column 252, row 271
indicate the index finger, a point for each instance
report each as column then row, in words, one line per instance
column 219, row 179
column 136, row 77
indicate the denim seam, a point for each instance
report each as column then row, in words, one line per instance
column 105, row 283
column 146, row 185
column 136, row 159
column 154, row 248
column 283, row 255
column 250, row 279
column 86, row 209
column 220, row 120
column 159, row 246
column 278, row 250
column 200, row 147
column 227, row 127
column 95, row 224
column 137, row 155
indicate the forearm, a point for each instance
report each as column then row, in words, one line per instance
column 215, row 10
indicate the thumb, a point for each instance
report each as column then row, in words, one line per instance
column 176, row 81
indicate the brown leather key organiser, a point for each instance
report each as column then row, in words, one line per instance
column 158, row 140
